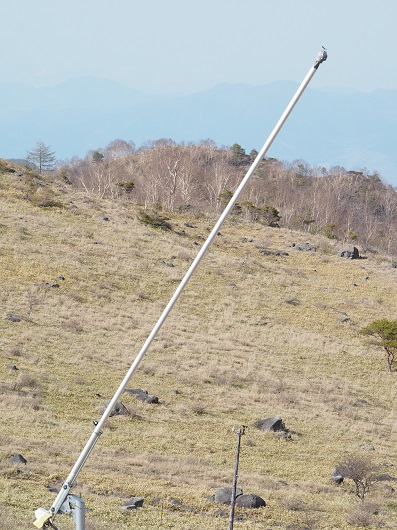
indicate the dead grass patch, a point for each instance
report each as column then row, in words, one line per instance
column 232, row 347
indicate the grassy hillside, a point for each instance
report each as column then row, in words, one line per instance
column 252, row 336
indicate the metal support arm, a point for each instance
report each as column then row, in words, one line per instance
column 43, row 516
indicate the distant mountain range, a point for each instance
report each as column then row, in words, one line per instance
column 328, row 127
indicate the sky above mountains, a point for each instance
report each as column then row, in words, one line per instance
column 180, row 48
column 88, row 113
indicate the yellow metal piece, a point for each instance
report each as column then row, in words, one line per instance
column 42, row 516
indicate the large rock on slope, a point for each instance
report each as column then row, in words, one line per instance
column 274, row 424
column 349, row 253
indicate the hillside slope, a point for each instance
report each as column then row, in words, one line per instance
column 252, row 336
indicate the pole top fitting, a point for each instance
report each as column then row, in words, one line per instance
column 239, row 431
column 321, row 57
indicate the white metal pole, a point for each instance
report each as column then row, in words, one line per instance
column 69, row 482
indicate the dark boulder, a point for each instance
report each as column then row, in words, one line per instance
column 13, row 317
column 270, row 424
column 349, row 253
column 224, row 495
column 167, row 263
column 386, row 477
column 118, row 410
column 249, row 501
column 305, row 247
column 142, row 395
column 273, row 252
column 17, row 459
column 181, row 506
column 133, row 503
column 283, row 436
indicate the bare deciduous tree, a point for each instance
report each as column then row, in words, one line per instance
column 347, row 205
column 361, row 471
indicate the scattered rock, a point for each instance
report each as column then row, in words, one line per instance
column 284, row 436
column 118, row 410
column 383, row 477
column 17, row 459
column 389, row 489
column 336, row 477
column 104, row 217
column 133, row 503
column 11, row 367
column 292, row 300
column 250, row 501
column 148, row 398
column 167, row 264
column 345, row 319
column 305, row 247
column 13, row 317
column 134, row 391
column 270, row 424
column 181, row 506
column 224, row 495
column 367, row 446
column 360, row 402
column 143, row 395
column 273, row 252
column 349, row 253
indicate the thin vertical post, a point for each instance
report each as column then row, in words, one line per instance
column 240, row 433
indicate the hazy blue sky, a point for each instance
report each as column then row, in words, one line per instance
column 183, row 46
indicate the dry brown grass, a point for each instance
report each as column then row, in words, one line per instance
column 234, row 350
